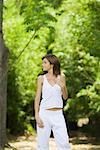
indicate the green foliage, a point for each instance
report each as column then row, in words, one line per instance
column 22, row 71
column 71, row 30
column 74, row 44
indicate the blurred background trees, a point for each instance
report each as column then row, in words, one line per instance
column 69, row 29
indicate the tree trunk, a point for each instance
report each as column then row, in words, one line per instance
column 3, row 82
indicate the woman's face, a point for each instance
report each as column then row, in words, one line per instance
column 46, row 64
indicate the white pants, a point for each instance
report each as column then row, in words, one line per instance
column 53, row 120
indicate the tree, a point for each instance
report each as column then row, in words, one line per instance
column 3, row 82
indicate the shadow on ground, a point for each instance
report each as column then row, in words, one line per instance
column 78, row 141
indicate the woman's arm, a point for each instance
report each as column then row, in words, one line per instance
column 63, row 87
column 38, row 95
column 37, row 102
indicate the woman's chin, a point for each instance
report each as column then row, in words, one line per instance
column 44, row 70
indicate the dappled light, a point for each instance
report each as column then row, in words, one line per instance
column 69, row 29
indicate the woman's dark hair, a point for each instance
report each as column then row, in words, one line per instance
column 55, row 62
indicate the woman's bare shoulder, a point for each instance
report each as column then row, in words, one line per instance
column 63, row 77
column 40, row 78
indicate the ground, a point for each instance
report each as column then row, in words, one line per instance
column 78, row 141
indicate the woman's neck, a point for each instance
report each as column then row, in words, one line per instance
column 50, row 73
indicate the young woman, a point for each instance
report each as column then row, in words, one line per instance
column 48, row 111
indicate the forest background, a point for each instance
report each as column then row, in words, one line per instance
column 69, row 29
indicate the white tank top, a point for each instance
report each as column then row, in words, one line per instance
column 51, row 95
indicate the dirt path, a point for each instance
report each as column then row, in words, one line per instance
column 79, row 142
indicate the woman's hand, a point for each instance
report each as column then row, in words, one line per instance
column 62, row 82
column 39, row 122
column 62, row 85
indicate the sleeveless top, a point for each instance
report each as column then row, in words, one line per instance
column 51, row 95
